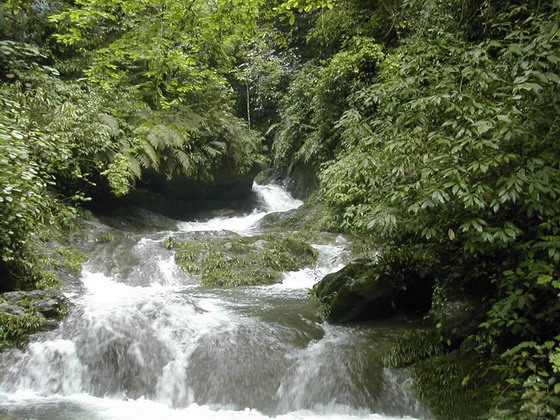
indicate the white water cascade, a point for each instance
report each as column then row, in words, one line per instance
column 145, row 341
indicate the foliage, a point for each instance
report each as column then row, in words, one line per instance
column 289, row 7
column 447, row 143
column 462, row 157
column 22, row 190
column 316, row 99
column 530, row 372
column 264, row 75
column 412, row 347
column 170, row 51
column 142, row 87
column 13, row 327
column 455, row 385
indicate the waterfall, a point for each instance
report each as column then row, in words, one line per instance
column 144, row 341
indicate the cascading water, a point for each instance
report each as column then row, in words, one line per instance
column 144, row 341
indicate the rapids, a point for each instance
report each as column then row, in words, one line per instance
column 144, row 341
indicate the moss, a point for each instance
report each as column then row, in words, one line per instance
column 169, row 243
column 265, row 176
column 25, row 313
column 242, row 261
column 253, row 276
column 412, row 347
column 62, row 311
column 46, row 279
column 453, row 385
column 312, row 216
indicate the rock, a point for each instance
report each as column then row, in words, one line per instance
column 50, row 307
column 11, row 309
column 23, row 313
column 355, row 293
column 459, row 317
column 244, row 261
column 183, row 197
column 49, row 303
column 302, row 179
column 311, row 216
column 363, row 290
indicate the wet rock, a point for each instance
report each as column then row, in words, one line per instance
column 49, row 303
column 363, row 290
column 11, row 309
column 355, row 293
column 459, row 317
column 312, row 216
column 302, row 179
column 183, row 197
column 26, row 312
column 49, row 307
column 244, row 261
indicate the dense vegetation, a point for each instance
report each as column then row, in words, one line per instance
column 94, row 94
column 434, row 129
column 432, row 126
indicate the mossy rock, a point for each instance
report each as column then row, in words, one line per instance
column 355, row 293
column 48, row 303
column 367, row 290
column 23, row 313
column 240, row 261
column 312, row 216
column 459, row 384
column 459, row 317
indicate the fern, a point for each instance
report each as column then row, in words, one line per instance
column 148, row 155
column 185, row 161
column 135, row 166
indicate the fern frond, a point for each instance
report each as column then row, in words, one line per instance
column 210, row 151
column 143, row 160
column 190, row 120
column 110, row 122
column 149, row 151
column 184, row 159
column 135, row 165
column 155, row 140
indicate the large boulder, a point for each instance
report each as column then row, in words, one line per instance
column 302, row 179
column 364, row 290
column 181, row 196
column 184, row 196
column 243, row 261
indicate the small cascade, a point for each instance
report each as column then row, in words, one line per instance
column 145, row 341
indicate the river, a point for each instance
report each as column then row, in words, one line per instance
column 144, row 341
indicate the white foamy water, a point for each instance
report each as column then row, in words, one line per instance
column 272, row 198
column 143, row 341
column 275, row 198
column 142, row 409
column 331, row 259
column 242, row 225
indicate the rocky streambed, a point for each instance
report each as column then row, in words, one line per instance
column 206, row 318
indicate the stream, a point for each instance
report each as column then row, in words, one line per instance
column 144, row 340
